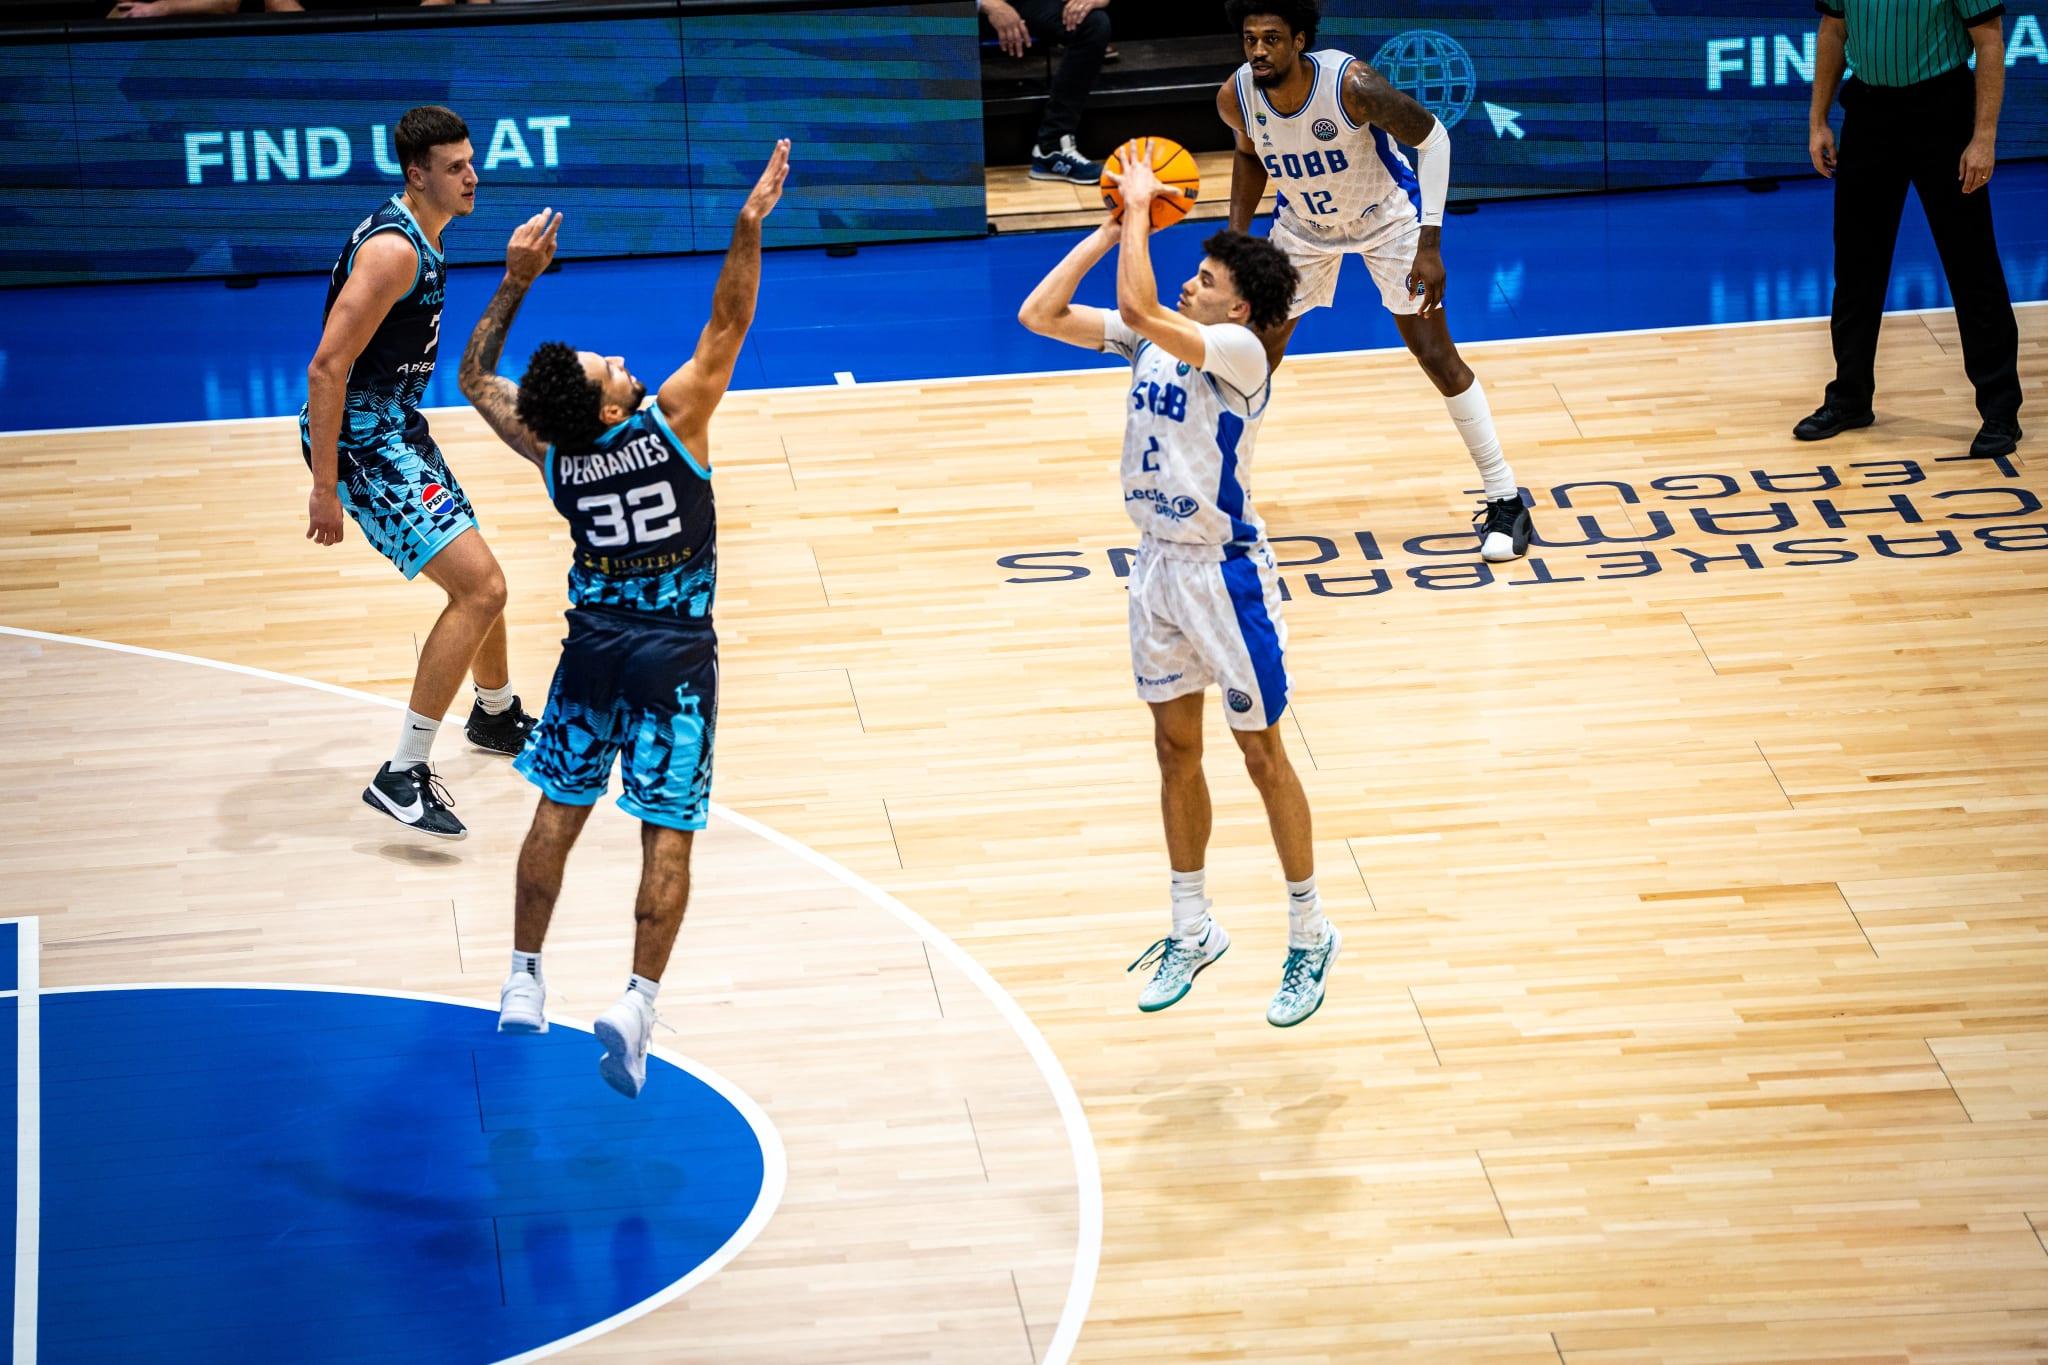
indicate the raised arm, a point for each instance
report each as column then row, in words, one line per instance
column 1247, row 173
column 1137, row 288
column 382, row 273
column 690, row 395
column 1051, row 311
column 526, row 256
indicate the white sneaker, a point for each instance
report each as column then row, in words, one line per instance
column 1180, row 962
column 522, row 1004
column 1302, row 980
column 625, row 1029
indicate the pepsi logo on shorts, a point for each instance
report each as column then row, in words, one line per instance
column 436, row 499
column 1239, row 701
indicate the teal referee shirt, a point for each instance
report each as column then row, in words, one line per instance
column 1904, row 42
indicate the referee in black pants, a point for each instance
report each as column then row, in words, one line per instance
column 1914, row 114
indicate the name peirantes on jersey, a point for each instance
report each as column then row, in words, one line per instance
column 645, row 452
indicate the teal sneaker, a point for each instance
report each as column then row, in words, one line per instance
column 1302, row 980
column 1180, row 962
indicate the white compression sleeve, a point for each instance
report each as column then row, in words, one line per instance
column 1433, row 169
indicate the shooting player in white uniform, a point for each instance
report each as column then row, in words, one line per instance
column 1204, row 591
column 1324, row 126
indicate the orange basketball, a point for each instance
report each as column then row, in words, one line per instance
column 1170, row 162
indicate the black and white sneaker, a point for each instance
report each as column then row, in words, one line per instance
column 1504, row 529
column 504, row 733
column 415, row 798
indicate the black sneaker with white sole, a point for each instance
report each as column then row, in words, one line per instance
column 504, row 733
column 1504, row 529
column 415, row 798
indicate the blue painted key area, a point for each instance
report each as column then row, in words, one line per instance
column 186, row 351
column 281, row 1175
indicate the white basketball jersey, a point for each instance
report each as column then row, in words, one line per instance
column 1337, row 180
column 1188, row 441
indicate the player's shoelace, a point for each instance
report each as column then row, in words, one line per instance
column 1497, row 516
column 434, row 793
column 1165, row 952
column 1296, row 977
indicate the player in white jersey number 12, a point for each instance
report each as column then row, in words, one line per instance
column 1205, row 603
column 1324, row 127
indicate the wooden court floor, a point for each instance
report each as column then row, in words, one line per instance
column 1694, row 873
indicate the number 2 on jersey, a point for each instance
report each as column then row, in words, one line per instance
column 1149, row 460
column 608, row 515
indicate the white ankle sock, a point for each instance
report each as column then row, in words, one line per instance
column 415, row 740
column 1474, row 417
column 1305, row 922
column 526, row 962
column 1190, row 905
column 644, row 988
column 495, row 700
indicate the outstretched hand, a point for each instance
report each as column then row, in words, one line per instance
column 532, row 247
column 1138, row 185
column 767, row 190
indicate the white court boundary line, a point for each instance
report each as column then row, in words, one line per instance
column 1087, row 1167
column 950, row 380
column 28, row 1137
column 774, row 1157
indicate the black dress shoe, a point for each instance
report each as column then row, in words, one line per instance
column 1828, row 420
column 1996, row 438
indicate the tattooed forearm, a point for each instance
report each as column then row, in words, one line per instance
column 487, row 342
column 497, row 398
column 489, row 392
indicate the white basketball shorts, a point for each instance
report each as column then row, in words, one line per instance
column 1195, row 623
column 1388, row 251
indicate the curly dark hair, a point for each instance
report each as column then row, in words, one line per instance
column 422, row 129
column 1264, row 277
column 1300, row 16
column 557, row 401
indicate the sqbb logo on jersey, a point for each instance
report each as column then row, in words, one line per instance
column 1432, row 68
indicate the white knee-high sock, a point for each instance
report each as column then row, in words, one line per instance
column 1474, row 417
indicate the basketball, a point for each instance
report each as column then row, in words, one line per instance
column 1175, row 168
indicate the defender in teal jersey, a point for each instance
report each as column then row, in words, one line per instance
column 638, row 681
column 370, row 453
